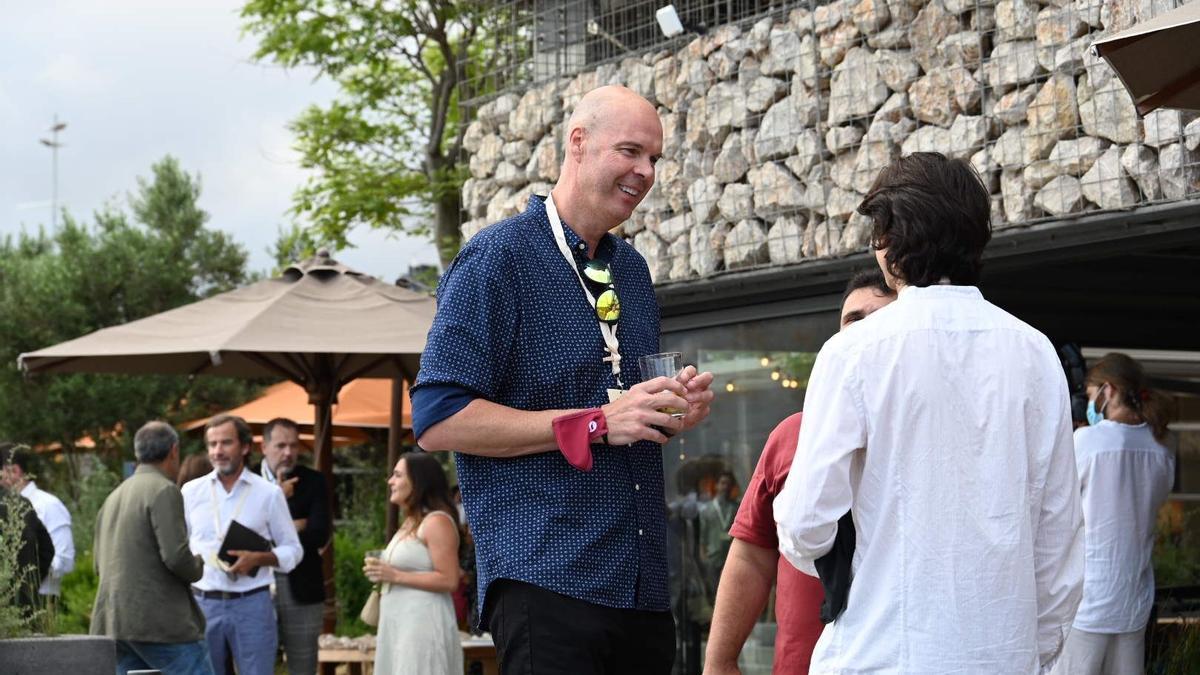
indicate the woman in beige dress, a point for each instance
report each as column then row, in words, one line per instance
column 418, row 633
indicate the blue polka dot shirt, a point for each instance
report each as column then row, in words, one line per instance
column 513, row 326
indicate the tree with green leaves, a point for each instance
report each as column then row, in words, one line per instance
column 389, row 149
column 80, row 278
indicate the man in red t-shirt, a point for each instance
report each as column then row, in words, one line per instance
column 754, row 562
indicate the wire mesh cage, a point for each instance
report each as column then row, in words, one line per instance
column 778, row 118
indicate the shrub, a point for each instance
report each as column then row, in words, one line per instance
column 15, row 580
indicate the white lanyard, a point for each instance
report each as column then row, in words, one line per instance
column 607, row 331
column 216, row 507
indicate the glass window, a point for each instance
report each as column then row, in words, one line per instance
column 760, row 370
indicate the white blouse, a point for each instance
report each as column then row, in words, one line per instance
column 1125, row 475
column 944, row 422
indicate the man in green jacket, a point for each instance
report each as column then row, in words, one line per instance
column 146, row 569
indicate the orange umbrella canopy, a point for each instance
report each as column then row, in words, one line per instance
column 365, row 403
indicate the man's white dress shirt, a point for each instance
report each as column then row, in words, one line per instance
column 944, row 421
column 57, row 520
column 1125, row 475
column 253, row 502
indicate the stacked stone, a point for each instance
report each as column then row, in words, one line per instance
column 773, row 134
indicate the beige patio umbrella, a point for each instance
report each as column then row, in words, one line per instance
column 1159, row 60
column 320, row 325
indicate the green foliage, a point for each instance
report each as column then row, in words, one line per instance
column 390, row 147
column 15, row 619
column 64, row 284
column 1176, row 650
column 352, row 586
column 364, row 505
column 1177, row 551
column 294, row 244
column 74, row 613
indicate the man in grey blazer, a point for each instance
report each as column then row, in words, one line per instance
column 146, row 569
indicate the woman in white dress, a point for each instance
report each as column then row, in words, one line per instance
column 418, row 634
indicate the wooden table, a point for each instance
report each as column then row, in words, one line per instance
column 354, row 659
column 479, row 650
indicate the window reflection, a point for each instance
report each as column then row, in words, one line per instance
column 760, row 370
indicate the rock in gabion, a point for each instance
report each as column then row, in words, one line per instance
column 746, row 245
column 1109, row 113
column 705, row 243
column 1179, row 171
column 1141, row 163
column 737, row 202
column 784, row 240
column 1106, row 184
column 1061, row 196
column 654, row 250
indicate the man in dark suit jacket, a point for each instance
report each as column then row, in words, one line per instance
column 299, row 594
column 146, row 567
column 36, row 550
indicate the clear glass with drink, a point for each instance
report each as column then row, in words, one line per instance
column 666, row 364
column 373, row 554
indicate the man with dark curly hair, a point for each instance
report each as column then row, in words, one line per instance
column 944, row 425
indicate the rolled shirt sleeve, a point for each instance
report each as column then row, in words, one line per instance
column 818, row 491
column 283, row 533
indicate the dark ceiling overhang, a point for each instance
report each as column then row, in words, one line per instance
column 1127, row 279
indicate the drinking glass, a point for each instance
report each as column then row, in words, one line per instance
column 666, row 364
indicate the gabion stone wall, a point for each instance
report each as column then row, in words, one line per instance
column 774, row 132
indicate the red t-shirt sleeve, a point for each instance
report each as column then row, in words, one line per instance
column 755, row 520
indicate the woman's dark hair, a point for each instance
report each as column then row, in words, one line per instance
column 430, row 489
column 1126, row 376
column 933, row 216
column 192, row 467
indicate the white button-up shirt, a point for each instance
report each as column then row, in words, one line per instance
column 57, row 521
column 1125, row 475
column 944, row 422
column 253, row 502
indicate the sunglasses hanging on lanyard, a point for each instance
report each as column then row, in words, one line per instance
column 606, row 304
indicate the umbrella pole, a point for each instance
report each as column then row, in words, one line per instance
column 395, row 438
column 322, row 399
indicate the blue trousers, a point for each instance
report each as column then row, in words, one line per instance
column 244, row 626
column 171, row 658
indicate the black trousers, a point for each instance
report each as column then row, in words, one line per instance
column 540, row 632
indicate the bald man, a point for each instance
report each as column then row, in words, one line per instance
column 530, row 375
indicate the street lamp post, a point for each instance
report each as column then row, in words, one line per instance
column 54, row 145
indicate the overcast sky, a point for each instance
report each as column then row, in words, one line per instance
column 136, row 80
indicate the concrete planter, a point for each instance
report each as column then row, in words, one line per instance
column 75, row 654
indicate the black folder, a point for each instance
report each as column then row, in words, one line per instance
column 241, row 538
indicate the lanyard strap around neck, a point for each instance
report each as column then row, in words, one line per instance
column 216, row 507
column 607, row 331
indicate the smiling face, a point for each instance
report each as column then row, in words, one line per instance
column 399, row 485
column 225, row 451
column 614, row 142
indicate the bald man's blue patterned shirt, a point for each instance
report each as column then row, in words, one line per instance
column 513, row 326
